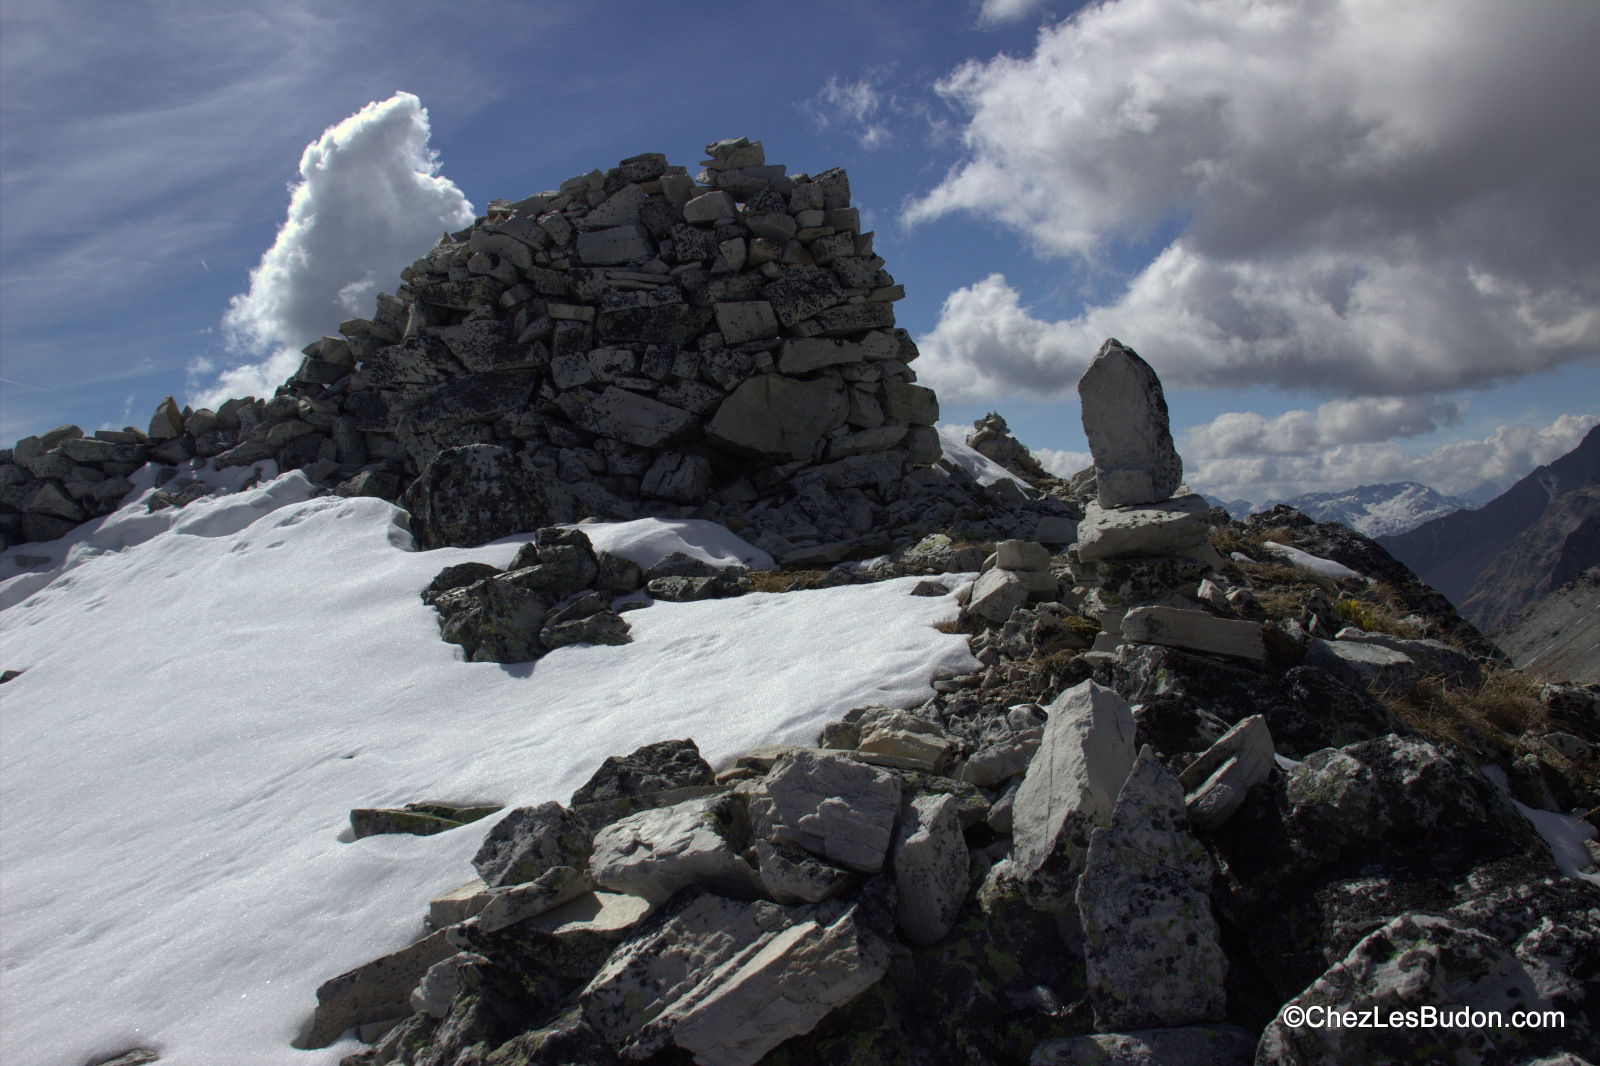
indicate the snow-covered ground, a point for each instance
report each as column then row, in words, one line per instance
column 953, row 439
column 207, row 692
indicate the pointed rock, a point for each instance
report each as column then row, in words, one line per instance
column 1125, row 418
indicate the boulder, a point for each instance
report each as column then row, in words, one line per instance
column 1125, row 419
column 1070, row 789
column 1370, row 666
column 1432, row 655
column 728, row 981
column 652, row 768
column 1022, row 555
column 930, row 868
column 531, row 840
column 830, row 805
column 1430, row 984
column 655, row 853
column 474, row 494
column 902, row 741
column 778, row 418
column 1151, row 943
column 1189, row 1045
column 441, row 984
column 1195, row 630
column 376, row 992
column 1169, row 527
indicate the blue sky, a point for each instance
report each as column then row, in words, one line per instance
column 1358, row 241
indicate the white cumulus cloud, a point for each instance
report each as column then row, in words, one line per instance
column 861, row 106
column 1363, row 199
column 369, row 201
column 994, row 12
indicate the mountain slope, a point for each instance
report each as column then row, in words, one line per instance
column 1450, row 552
column 1561, row 545
column 1558, row 637
column 1379, row 510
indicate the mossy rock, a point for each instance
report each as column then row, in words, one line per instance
column 418, row 819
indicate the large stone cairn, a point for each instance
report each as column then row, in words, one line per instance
column 657, row 342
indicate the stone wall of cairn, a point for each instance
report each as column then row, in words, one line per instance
column 722, row 344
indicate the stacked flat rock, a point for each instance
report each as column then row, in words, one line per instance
column 1143, row 547
column 654, row 340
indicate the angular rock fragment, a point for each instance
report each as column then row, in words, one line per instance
column 930, row 868
column 1218, row 782
column 793, row 875
column 531, row 840
column 1070, row 789
column 1170, row 527
column 654, row 853
column 830, row 805
column 1195, row 630
column 1150, row 939
column 1369, row 666
column 481, row 492
column 375, row 992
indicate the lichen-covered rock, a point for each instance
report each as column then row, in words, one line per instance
column 1125, row 419
column 418, row 819
column 1150, row 940
column 1369, row 666
column 375, row 992
column 1413, row 965
column 530, row 840
column 1190, row 1045
column 1070, row 789
column 471, row 495
column 1218, row 782
column 652, row 768
column 515, row 903
column 830, row 805
column 930, row 868
column 793, row 875
column 729, row 981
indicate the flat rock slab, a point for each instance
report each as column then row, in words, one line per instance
column 778, row 418
column 830, row 805
column 1130, row 436
column 1191, row 1045
column 1151, row 948
column 997, row 593
column 1195, row 630
column 1070, row 790
column 729, row 981
column 1171, row 527
column 1369, row 666
column 1434, row 655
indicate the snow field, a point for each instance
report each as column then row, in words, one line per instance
column 206, row 694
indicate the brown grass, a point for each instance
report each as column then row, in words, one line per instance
column 780, row 580
column 1500, row 709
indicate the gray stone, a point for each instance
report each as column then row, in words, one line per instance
column 1001, row 760
column 1418, row 961
column 619, row 244
column 710, row 207
column 165, row 424
column 375, row 992
column 50, row 500
column 802, row 293
column 748, row 320
column 471, row 495
column 666, row 764
column 793, row 875
column 1192, row 1045
column 1195, row 630
column 1070, row 789
column 911, row 404
column 618, row 575
column 902, row 741
column 930, row 868
column 441, row 984
column 681, row 478
column 602, row 627
column 458, row 904
column 1433, row 655
column 1369, row 666
column 1218, row 782
column 1022, row 555
column 997, row 593
column 728, row 981
column 830, row 805
column 502, row 907
column 1150, row 941
column 655, row 853
column 529, row 841
column 50, row 465
column 778, row 418
column 1172, row 527
column 627, row 416
column 1125, row 419
column 804, row 356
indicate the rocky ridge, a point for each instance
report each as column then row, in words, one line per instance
column 635, row 342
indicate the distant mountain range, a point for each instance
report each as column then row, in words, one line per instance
column 1374, row 510
column 1498, row 562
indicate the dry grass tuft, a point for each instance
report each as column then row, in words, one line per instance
column 1375, row 611
column 1500, row 710
column 780, row 580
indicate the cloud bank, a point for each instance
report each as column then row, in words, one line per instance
column 1362, row 199
column 370, row 200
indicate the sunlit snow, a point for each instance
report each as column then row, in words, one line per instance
column 206, row 693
